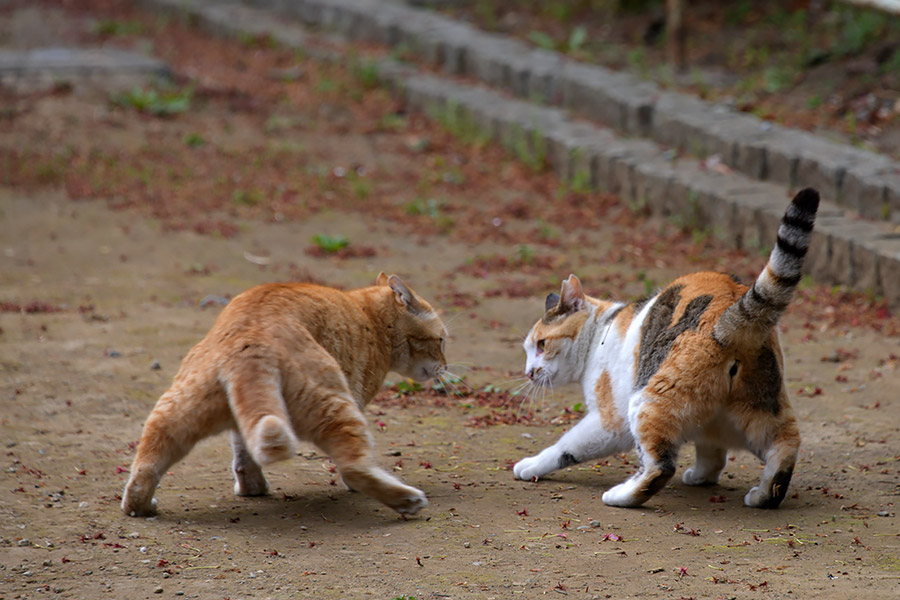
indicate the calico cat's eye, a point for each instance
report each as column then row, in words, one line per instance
column 540, row 346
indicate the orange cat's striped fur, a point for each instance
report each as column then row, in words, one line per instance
column 700, row 361
column 284, row 361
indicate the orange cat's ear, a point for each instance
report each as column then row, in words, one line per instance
column 404, row 295
column 382, row 279
column 571, row 295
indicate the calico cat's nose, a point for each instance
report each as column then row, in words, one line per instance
column 532, row 373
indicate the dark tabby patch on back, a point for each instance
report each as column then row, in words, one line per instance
column 764, row 382
column 656, row 335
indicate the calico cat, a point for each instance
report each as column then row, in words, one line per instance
column 700, row 361
column 284, row 361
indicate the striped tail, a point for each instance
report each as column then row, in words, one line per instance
column 750, row 319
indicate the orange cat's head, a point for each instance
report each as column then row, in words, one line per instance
column 418, row 336
column 551, row 347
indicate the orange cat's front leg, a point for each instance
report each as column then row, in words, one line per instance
column 343, row 434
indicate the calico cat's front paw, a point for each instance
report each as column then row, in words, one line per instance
column 622, row 495
column 528, row 469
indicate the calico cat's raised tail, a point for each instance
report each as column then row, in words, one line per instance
column 700, row 361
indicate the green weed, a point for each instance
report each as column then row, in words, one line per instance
column 366, row 72
column 525, row 253
column 405, row 388
column 250, row 197
column 113, row 27
column 330, row 243
column 155, row 102
column 194, row 140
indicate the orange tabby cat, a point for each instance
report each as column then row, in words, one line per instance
column 284, row 361
column 700, row 362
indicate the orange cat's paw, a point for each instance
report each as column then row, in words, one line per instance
column 134, row 509
column 410, row 502
column 272, row 440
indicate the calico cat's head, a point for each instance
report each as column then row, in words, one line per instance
column 419, row 334
column 552, row 354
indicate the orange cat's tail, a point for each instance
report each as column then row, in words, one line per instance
column 750, row 319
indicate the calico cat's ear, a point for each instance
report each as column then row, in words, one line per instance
column 571, row 295
column 382, row 279
column 551, row 301
column 404, row 295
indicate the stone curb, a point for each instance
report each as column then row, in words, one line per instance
column 738, row 209
column 863, row 181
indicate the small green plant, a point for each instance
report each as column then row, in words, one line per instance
column 449, row 385
column 458, row 122
column 326, row 85
column 394, row 122
column 529, row 148
column 776, row 79
column 366, row 73
column 577, row 38
column 407, row 387
column 113, row 27
column 422, row 207
column 542, row 40
column 525, row 253
column 194, row 140
column 160, row 103
column 361, row 186
column 649, row 284
column 547, row 231
column 330, row 243
column 250, row 197
column 580, row 183
column 256, row 40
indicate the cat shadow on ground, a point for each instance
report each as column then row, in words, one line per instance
column 280, row 511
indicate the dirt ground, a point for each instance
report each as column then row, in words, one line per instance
column 116, row 250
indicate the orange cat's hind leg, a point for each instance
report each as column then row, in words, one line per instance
column 248, row 476
column 343, row 434
column 254, row 394
column 178, row 421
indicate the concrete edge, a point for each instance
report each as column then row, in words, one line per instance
column 737, row 209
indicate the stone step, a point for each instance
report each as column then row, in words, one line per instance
column 738, row 209
column 864, row 181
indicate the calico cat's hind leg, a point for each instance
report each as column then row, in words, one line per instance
column 182, row 417
column 708, row 466
column 657, row 432
column 248, row 476
column 587, row 440
column 780, row 458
